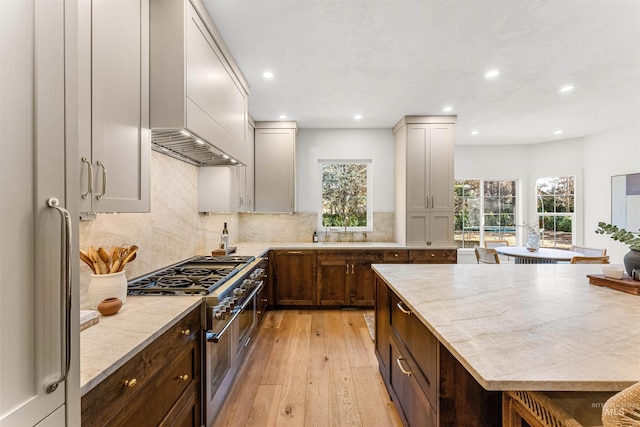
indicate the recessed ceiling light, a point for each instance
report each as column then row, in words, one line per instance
column 357, row 116
column 283, row 116
column 491, row 74
column 267, row 75
column 558, row 132
column 567, row 88
column 447, row 109
column 474, row 132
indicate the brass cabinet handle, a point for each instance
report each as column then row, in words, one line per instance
column 433, row 254
column 183, row 377
column 352, row 268
column 131, row 383
column 295, row 252
column 404, row 371
column 402, row 309
column 185, row 332
column 395, row 255
column 347, row 266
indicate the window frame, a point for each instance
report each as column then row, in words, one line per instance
column 369, row 226
column 555, row 214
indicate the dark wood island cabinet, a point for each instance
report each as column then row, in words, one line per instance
column 427, row 384
column 160, row 386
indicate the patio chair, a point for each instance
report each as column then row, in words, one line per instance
column 588, row 251
column 590, row 260
column 486, row 256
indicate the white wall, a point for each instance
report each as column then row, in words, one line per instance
column 615, row 152
column 315, row 144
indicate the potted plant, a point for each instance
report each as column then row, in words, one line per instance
column 632, row 258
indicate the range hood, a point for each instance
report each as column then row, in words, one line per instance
column 198, row 97
column 185, row 146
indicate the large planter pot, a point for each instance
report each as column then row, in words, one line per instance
column 103, row 286
column 631, row 261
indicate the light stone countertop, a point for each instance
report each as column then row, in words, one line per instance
column 528, row 327
column 114, row 340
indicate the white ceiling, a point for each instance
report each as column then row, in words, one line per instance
column 385, row 59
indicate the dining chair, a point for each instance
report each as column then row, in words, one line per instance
column 486, row 255
column 590, row 260
column 588, row 251
column 623, row 408
column 492, row 244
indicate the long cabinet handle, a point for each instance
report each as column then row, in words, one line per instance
column 90, row 178
column 65, row 295
column 433, row 203
column 352, row 267
column 104, row 179
column 404, row 371
column 402, row 309
column 295, row 252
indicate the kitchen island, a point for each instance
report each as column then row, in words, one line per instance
column 510, row 327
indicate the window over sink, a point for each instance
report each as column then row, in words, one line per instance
column 346, row 195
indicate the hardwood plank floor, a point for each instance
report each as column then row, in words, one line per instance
column 310, row 368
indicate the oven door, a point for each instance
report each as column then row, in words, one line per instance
column 220, row 349
column 247, row 320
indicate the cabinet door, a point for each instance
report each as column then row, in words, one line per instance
column 274, row 170
column 418, row 195
column 361, row 283
column 333, row 285
column 295, row 277
column 118, row 101
column 38, row 162
column 441, row 160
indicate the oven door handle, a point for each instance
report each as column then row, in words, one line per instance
column 253, row 293
column 215, row 337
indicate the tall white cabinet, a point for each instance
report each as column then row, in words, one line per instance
column 39, row 326
column 115, row 137
column 424, row 161
column 275, row 154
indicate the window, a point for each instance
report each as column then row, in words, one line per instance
column 346, row 190
column 555, row 200
column 484, row 211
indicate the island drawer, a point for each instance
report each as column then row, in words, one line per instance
column 408, row 385
column 419, row 342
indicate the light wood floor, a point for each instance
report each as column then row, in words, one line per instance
column 310, row 368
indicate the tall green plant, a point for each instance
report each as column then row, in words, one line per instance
column 620, row 234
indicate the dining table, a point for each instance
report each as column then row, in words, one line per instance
column 522, row 255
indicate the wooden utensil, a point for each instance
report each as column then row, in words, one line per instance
column 130, row 256
column 85, row 258
column 104, row 256
column 93, row 256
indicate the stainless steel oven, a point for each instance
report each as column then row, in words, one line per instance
column 231, row 323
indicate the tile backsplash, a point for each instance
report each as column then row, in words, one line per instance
column 174, row 230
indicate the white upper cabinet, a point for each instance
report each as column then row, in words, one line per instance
column 424, row 168
column 114, row 106
column 275, row 144
column 195, row 84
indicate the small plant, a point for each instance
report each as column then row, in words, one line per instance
column 620, row 234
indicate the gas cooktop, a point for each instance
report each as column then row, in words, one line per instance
column 198, row 275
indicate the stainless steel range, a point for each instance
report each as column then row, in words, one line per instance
column 234, row 299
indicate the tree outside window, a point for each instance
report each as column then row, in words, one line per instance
column 555, row 200
column 345, row 190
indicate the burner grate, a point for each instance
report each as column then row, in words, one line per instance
column 175, row 282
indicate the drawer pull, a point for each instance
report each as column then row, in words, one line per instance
column 399, row 362
column 402, row 309
column 185, row 332
column 183, row 377
column 433, row 254
column 131, row 383
column 295, row 252
column 395, row 255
